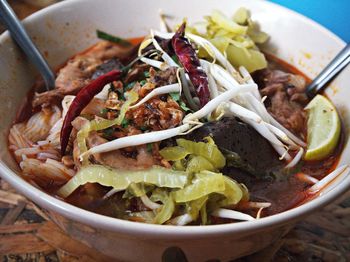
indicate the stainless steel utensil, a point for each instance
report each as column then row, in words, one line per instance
column 19, row 34
column 333, row 68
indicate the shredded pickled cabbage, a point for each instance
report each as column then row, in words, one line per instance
column 207, row 150
column 203, row 184
column 194, row 207
column 198, row 163
column 166, row 211
column 237, row 38
column 121, row 179
column 137, row 190
column 173, row 153
column 96, row 125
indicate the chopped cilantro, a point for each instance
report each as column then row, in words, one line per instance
column 143, row 82
column 175, row 96
column 108, row 132
column 129, row 86
column 112, row 38
column 176, row 60
column 146, row 74
column 125, row 123
column 184, row 106
column 149, row 147
column 104, row 111
column 121, row 95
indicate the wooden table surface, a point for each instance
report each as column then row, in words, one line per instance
column 26, row 233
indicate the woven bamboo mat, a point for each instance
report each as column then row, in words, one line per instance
column 27, row 234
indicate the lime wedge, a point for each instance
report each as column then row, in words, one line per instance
column 323, row 128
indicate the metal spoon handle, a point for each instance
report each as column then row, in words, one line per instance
column 333, row 68
column 19, row 34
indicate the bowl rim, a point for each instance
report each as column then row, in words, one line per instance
column 161, row 231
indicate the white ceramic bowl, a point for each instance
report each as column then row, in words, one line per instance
column 66, row 28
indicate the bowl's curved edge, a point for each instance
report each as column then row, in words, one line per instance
column 132, row 228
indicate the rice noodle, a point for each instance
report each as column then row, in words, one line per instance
column 44, row 156
column 38, row 126
column 61, row 167
column 51, row 169
column 36, row 150
column 17, row 139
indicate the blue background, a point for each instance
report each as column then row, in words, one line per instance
column 332, row 14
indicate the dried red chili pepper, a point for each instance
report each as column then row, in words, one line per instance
column 82, row 99
column 188, row 58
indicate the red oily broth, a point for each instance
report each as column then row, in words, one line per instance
column 284, row 193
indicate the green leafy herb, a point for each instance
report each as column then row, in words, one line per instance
column 111, row 38
column 104, row 111
column 176, row 60
column 149, row 147
column 175, row 96
column 144, row 128
column 184, row 106
column 146, row 74
column 143, row 82
column 121, row 95
column 125, row 123
column 121, row 179
column 108, row 133
column 129, row 86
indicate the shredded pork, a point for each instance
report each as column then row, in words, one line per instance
column 142, row 160
column 286, row 97
column 79, row 70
